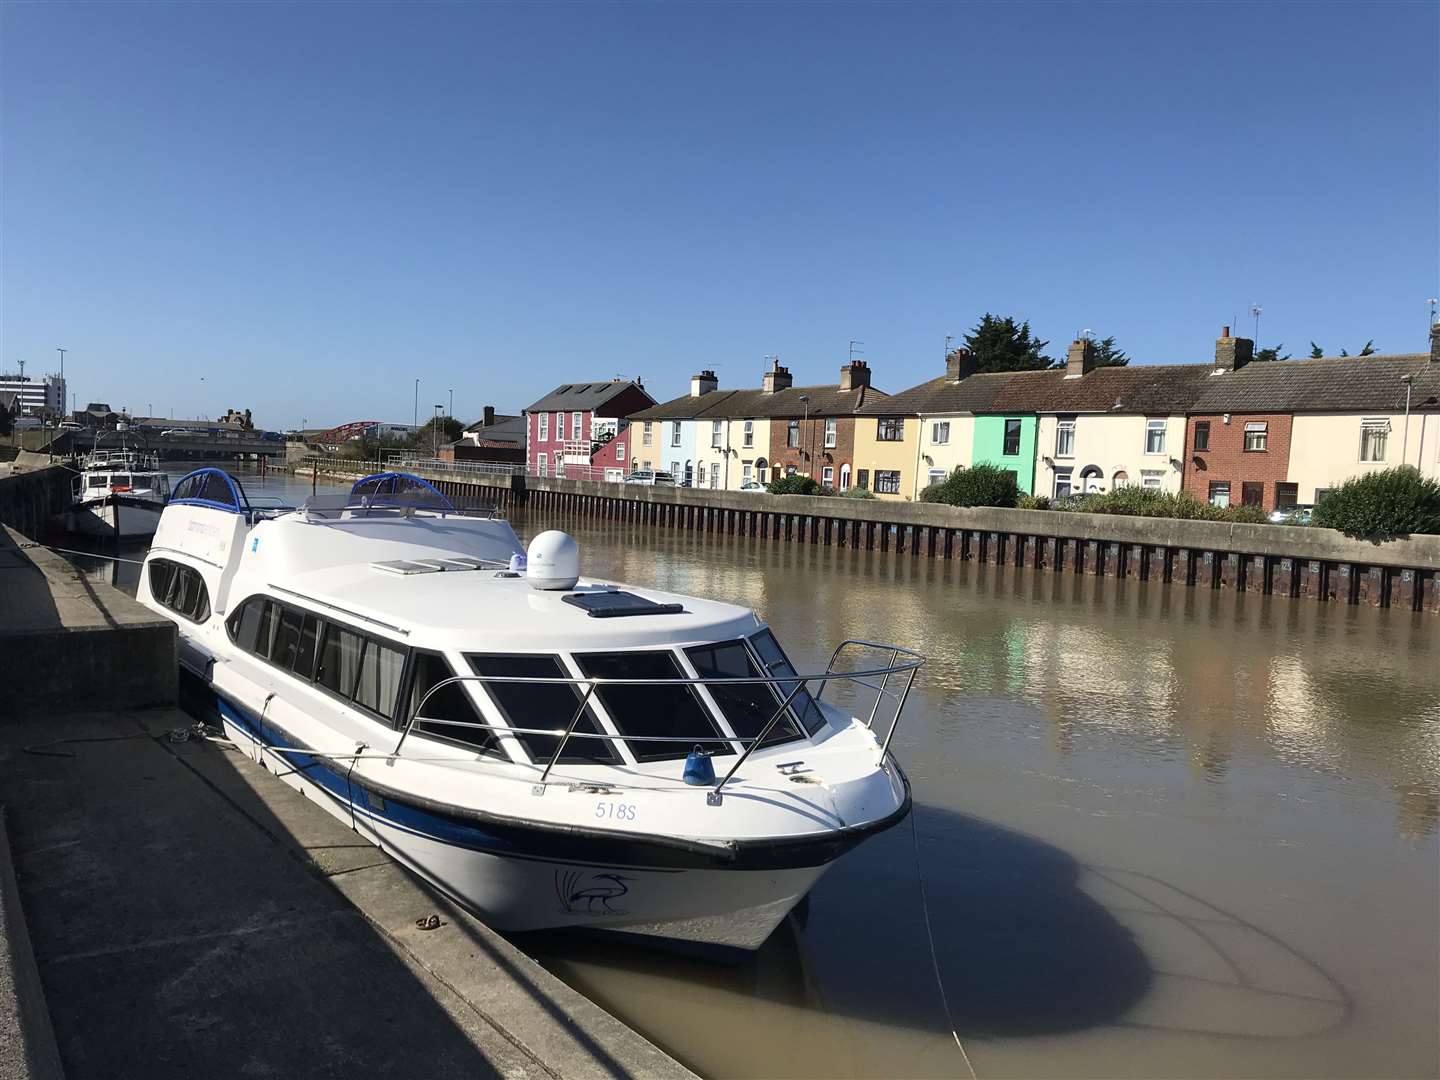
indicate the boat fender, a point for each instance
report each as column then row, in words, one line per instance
column 699, row 769
column 553, row 561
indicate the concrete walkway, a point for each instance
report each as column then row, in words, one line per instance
column 193, row 916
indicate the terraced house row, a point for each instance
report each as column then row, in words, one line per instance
column 1271, row 434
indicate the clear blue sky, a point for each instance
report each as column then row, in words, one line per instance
column 310, row 205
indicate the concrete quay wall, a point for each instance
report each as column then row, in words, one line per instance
column 1304, row 563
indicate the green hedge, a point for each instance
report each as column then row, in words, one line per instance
column 796, row 485
column 1147, row 502
column 979, row 485
column 857, row 493
column 1382, row 505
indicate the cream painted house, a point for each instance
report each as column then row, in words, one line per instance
column 1086, row 452
column 885, row 454
column 1327, row 449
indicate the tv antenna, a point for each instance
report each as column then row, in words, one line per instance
column 1255, row 314
column 22, row 369
column 854, row 352
column 1432, row 302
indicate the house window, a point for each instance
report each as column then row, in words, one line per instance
column 1202, row 435
column 845, row 476
column 887, row 482
column 762, row 470
column 749, row 439
column 827, row 476
column 789, row 470
column 1252, row 494
column 940, row 432
column 1065, row 438
column 862, row 479
column 1011, row 446
column 541, row 464
column 1257, row 434
column 575, row 426
column 1219, row 493
column 544, row 426
column 674, row 432
column 715, row 434
column 700, row 475
column 747, row 473
column 1286, row 495
column 792, row 436
column 560, row 426
column 1154, row 436
column 1063, row 487
column 830, row 433
column 1373, row 435
column 645, row 435
column 714, row 474
column 620, row 452
column 890, row 429
column 1150, row 480
column 675, row 470
column 937, row 476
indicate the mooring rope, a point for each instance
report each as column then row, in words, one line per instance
column 934, row 957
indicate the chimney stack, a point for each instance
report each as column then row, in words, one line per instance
column 1081, row 358
column 1435, row 343
column 1232, row 353
column 703, row 383
column 959, row 364
column 854, row 375
column 489, row 420
column 777, row 378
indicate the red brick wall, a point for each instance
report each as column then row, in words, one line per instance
column 812, row 442
column 1227, row 458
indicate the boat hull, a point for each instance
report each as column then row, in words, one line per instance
column 519, row 879
column 137, row 521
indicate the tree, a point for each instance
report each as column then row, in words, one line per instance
column 1369, row 350
column 1001, row 345
column 1272, row 353
column 1107, row 355
column 1315, row 351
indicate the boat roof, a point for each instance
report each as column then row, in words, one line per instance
column 479, row 611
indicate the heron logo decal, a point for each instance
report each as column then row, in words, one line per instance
column 581, row 893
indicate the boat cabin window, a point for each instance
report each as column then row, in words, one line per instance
column 356, row 667
column 748, row 706
column 179, row 588
column 447, row 709
column 381, row 667
column 542, row 705
column 673, row 711
column 776, row 663
column 98, row 481
column 340, row 660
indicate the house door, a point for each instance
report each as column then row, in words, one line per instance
column 845, row 477
column 1092, row 480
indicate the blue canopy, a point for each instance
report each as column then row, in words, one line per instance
column 400, row 489
column 211, row 487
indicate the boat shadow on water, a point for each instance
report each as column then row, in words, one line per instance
column 1030, row 942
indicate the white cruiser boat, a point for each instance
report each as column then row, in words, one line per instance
column 118, row 492
column 547, row 750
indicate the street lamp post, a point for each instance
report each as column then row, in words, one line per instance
column 435, row 442
column 415, row 417
column 452, row 402
column 808, row 453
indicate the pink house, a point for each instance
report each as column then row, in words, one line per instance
column 579, row 427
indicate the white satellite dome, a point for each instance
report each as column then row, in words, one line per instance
column 553, row 561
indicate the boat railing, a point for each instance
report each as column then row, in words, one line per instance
column 902, row 667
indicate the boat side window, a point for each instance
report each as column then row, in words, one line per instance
column 675, row 712
column 378, row 687
column 179, row 588
column 449, row 703
column 339, row 659
column 748, row 706
column 542, row 705
column 294, row 648
column 776, row 663
column 252, row 625
column 99, row 481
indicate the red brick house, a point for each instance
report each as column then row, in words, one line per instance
column 564, row 427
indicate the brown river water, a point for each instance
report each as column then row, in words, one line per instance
column 1163, row 833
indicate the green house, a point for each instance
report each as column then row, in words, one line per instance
column 1007, row 441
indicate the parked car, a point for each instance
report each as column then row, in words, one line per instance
column 651, row 478
column 71, row 425
column 1292, row 515
column 752, row 485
